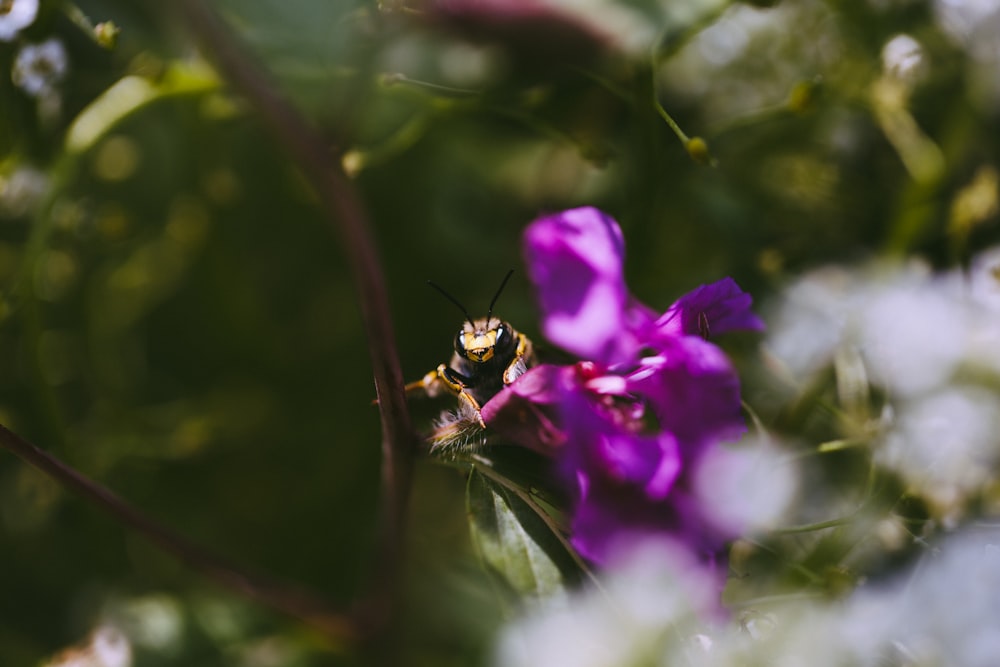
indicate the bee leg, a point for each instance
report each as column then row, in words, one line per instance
column 444, row 379
column 523, row 358
column 458, row 383
column 429, row 385
column 466, row 400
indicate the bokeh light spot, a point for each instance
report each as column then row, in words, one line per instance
column 116, row 159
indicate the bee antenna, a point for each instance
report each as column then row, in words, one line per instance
column 453, row 300
column 496, row 296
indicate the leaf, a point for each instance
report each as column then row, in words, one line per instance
column 522, row 468
column 515, row 541
column 130, row 94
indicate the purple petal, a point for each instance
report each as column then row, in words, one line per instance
column 649, row 463
column 608, row 516
column 526, row 413
column 575, row 259
column 600, row 525
column 692, row 389
column 602, row 442
column 710, row 310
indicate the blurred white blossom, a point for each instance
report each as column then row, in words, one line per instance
column 15, row 16
column 912, row 327
column 812, row 321
column 975, row 26
column 652, row 596
column 971, row 22
column 39, row 67
column 903, row 58
column 944, row 611
column 747, row 487
column 931, row 343
column 946, row 444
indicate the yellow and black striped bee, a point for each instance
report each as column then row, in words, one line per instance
column 489, row 355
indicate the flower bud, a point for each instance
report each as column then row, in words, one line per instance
column 697, row 148
column 106, row 34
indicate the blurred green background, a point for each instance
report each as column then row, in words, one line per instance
column 177, row 320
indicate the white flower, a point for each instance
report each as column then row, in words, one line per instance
column 912, row 330
column 945, row 444
column 969, row 22
column 931, row 342
column 912, row 327
column 746, row 487
column 811, row 322
column 974, row 24
column 38, row 67
column 15, row 16
column 903, row 58
column 652, row 595
column 943, row 612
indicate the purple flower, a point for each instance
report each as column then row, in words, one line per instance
column 710, row 310
column 629, row 424
column 633, row 438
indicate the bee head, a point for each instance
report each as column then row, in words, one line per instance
column 479, row 340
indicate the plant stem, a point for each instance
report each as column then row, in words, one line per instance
column 346, row 215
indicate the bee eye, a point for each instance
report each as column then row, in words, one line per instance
column 499, row 333
column 460, row 341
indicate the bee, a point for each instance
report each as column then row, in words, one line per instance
column 489, row 355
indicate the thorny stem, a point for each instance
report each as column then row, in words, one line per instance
column 345, row 213
column 337, row 626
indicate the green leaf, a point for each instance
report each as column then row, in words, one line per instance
column 129, row 95
column 515, row 541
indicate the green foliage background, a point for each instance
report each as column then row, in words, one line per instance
column 176, row 319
